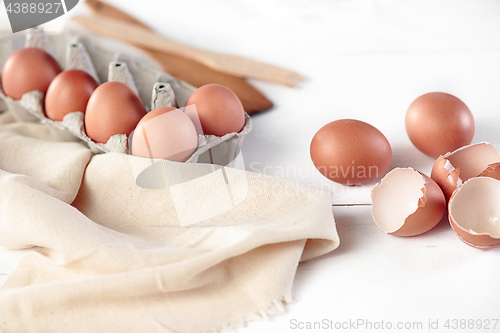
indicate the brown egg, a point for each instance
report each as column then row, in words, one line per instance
column 165, row 133
column 69, row 92
column 407, row 203
column 438, row 123
column 28, row 69
column 219, row 110
column 350, row 152
column 112, row 109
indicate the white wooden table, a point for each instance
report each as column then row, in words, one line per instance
column 366, row 60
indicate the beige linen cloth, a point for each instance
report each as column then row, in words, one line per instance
column 110, row 256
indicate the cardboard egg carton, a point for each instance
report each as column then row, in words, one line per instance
column 154, row 87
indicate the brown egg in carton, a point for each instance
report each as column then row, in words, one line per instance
column 154, row 87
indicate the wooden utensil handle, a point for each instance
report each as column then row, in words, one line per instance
column 99, row 7
column 139, row 36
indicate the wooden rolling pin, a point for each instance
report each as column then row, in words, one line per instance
column 189, row 70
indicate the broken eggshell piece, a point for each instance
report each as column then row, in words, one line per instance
column 407, row 203
column 492, row 171
column 453, row 169
column 474, row 212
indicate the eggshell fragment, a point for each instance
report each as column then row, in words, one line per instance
column 474, row 212
column 453, row 169
column 407, row 203
column 492, row 171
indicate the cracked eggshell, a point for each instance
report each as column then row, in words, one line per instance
column 407, row 203
column 453, row 169
column 474, row 212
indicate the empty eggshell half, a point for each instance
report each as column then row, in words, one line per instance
column 474, row 212
column 407, row 203
column 453, row 169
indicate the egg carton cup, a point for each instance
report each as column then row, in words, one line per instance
column 155, row 88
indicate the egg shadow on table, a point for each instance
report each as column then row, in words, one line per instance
column 405, row 156
column 348, row 225
column 257, row 114
column 442, row 226
column 352, row 238
column 346, row 228
column 487, row 132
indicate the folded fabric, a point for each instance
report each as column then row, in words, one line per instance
column 111, row 256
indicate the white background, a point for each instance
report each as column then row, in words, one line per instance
column 366, row 60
